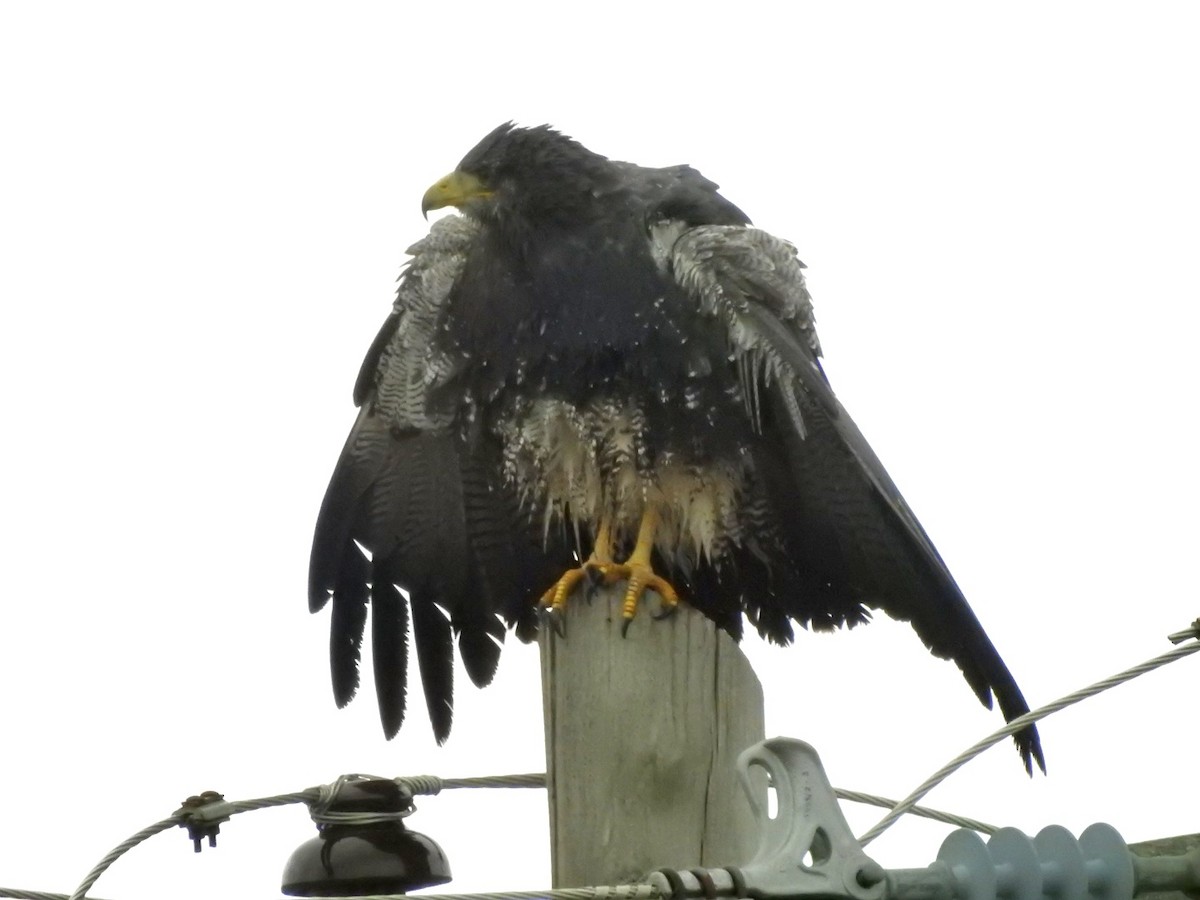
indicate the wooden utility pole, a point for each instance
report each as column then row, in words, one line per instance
column 642, row 734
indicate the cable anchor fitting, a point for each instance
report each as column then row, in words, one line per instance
column 202, row 817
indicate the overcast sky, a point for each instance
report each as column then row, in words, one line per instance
column 203, row 209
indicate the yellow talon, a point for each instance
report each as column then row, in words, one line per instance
column 641, row 578
column 554, row 601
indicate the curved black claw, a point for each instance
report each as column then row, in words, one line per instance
column 665, row 611
column 556, row 619
column 625, row 623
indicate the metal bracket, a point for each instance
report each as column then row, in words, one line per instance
column 805, row 850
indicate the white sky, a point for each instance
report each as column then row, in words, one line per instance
column 203, row 210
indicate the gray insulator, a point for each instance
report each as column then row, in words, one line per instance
column 1013, row 866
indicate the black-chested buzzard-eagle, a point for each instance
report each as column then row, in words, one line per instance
column 602, row 371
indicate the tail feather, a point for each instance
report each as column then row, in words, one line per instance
column 347, row 625
column 389, row 649
column 435, row 658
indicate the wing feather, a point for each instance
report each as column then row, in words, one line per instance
column 398, row 491
column 389, row 647
column 841, row 516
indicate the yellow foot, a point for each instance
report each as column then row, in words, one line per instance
column 641, row 578
column 600, row 569
column 554, row 602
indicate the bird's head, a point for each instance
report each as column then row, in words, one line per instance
column 529, row 174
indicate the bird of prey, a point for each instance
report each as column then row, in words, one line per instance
column 600, row 372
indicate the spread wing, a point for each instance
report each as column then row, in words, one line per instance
column 414, row 508
column 844, row 525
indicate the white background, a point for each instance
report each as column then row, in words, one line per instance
column 203, row 209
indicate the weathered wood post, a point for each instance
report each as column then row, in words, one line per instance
column 642, row 733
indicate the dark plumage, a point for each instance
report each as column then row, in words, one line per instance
column 596, row 343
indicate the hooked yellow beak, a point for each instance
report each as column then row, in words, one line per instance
column 454, row 190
